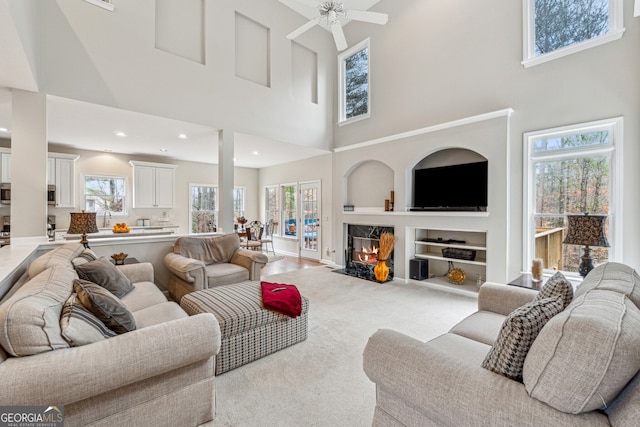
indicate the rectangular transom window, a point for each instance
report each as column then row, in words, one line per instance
column 571, row 170
column 555, row 28
column 354, row 99
column 105, row 194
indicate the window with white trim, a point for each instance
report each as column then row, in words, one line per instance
column 353, row 72
column 105, row 194
column 556, row 28
column 238, row 201
column 105, row 4
column 289, row 210
column 204, row 208
column 272, row 204
column 571, row 170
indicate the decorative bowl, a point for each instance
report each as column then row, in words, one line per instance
column 119, row 258
column 456, row 276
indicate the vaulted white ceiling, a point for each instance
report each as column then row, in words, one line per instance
column 92, row 127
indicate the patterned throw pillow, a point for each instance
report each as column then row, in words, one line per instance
column 86, row 256
column 105, row 306
column 517, row 334
column 79, row 326
column 557, row 286
column 107, row 275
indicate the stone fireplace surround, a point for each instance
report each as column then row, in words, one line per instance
column 362, row 242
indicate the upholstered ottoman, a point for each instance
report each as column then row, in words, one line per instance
column 248, row 331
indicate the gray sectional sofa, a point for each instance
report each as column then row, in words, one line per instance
column 161, row 373
column 580, row 370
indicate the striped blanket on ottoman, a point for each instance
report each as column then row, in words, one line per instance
column 249, row 332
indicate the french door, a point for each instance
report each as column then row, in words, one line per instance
column 310, row 201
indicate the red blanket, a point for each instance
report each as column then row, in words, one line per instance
column 282, row 298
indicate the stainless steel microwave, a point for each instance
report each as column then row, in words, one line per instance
column 5, row 193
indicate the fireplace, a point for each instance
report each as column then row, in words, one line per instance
column 361, row 251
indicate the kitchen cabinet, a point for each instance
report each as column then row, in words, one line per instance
column 153, row 185
column 5, row 167
column 61, row 173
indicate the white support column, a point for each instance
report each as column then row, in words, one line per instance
column 28, row 167
column 226, row 141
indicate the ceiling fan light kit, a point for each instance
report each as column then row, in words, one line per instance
column 332, row 12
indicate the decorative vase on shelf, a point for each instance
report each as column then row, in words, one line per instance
column 381, row 271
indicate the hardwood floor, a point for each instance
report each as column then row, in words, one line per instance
column 289, row 264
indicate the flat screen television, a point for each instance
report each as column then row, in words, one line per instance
column 451, row 188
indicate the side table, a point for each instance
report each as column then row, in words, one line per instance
column 525, row 281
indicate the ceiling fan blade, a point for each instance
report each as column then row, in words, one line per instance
column 311, row 3
column 306, row 27
column 338, row 36
column 366, row 16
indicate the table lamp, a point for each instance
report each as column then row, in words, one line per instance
column 587, row 230
column 83, row 223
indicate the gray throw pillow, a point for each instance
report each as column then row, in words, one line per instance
column 557, row 286
column 79, row 326
column 105, row 306
column 517, row 334
column 105, row 274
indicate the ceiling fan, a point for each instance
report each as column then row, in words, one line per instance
column 331, row 12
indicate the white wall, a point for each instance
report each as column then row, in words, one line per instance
column 110, row 58
column 488, row 138
column 435, row 62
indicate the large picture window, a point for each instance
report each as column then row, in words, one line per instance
column 104, row 195
column 571, row 170
column 555, row 28
column 204, row 208
column 354, row 83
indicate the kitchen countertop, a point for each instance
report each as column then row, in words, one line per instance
column 135, row 232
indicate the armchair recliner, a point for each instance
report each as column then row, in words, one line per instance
column 202, row 262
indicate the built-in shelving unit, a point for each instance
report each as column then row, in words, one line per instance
column 428, row 245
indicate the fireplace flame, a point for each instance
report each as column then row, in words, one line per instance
column 368, row 255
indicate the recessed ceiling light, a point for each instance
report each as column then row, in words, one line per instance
column 182, row 136
column 255, row 153
column 120, row 134
column 164, row 150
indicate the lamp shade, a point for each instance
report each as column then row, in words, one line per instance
column 83, row 223
column 587, row 230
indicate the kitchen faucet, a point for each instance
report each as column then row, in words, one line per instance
column 106, row 222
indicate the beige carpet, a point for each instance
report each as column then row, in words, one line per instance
column 320, row 381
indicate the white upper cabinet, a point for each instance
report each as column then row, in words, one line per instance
column 153, row 185
column 5, row 167
column 61, row 173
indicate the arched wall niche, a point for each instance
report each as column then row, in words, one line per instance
column 444, row 157
column 368, row 184
column 449, row 156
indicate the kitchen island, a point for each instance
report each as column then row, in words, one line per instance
column 135, row 231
